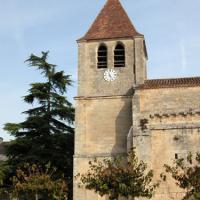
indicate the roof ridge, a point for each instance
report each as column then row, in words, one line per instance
column 178, row 78
column 171, row 83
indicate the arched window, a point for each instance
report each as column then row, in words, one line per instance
column 119, row 56
column 102, row 57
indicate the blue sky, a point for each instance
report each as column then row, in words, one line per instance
column 171, row 29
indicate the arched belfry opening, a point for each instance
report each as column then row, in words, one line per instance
column 119, row 55
column 102, row 56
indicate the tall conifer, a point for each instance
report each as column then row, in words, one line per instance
column 47, row 133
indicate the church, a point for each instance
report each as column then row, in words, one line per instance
column 118, row 107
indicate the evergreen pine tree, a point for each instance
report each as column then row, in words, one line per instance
column 47, row 133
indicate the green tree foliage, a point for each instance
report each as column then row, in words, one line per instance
column 36, row 182
column 3, row 170
column 186, row 173
column 47, row 133
column 114, row 178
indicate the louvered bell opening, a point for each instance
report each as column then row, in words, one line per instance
column 102, row 57
column 119, row 56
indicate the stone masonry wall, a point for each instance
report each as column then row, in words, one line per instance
column 166, row 125
column 104, row 109
column 91, row 79
column 102, row 125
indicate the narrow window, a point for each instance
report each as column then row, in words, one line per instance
column 176, row 156
column 102, row 57
column 119, row 56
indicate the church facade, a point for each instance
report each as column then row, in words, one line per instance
column 118, row 107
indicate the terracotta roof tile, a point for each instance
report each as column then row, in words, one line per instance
column 112, row 22
column 171, row 83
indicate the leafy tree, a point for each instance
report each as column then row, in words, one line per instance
column 47, row 133
column 3, row 170
column 33, row 182
column 186, row 173
column 114, row 178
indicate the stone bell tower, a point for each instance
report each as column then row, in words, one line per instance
column 112, row 61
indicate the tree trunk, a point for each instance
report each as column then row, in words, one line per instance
column 36, row 196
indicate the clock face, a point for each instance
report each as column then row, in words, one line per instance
column 110, row 75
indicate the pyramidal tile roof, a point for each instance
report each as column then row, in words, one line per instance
column 112, row 22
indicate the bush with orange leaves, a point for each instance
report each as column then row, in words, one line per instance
column 117, row 177
column 36, row 182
